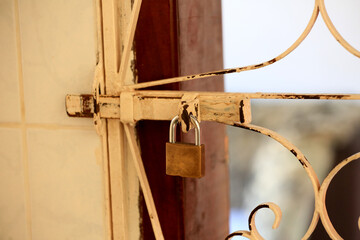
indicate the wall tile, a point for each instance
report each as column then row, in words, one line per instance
column 12, row 201
column 66, row 185
column 59, row 56
column 9, row 83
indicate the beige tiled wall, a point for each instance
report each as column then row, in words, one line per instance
column 12, row 194
column 58, row 54
column 51, row 182
column 9, row 88
column 65, row 184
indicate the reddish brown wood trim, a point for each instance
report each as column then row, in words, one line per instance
column 188, row 209
column 157, row 57
column 206, row 201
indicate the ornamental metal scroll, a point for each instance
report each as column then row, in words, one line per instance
column 319, row 191
column 318, row 8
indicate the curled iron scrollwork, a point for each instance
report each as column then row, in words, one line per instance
column 319, row 8
column 253, row 232
column 319, row 190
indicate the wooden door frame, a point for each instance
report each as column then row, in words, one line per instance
column 187, row 208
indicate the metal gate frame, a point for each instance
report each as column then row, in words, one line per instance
column 127, row 104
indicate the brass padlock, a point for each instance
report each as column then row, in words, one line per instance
column 185, row 159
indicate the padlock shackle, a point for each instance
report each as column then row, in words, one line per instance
column 197, row 129
column 172, row 130
column 173, row 124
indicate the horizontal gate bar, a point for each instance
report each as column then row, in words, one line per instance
column 164, row 105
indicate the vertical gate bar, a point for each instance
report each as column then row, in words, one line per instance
column 113, row 128
column 129, row 39
column 130, row 134
column 124, row 186
column 102, row 130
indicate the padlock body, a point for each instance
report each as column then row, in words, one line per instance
column 185, row 160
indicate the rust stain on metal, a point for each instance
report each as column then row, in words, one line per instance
column 242, row 117
column 272, row 61
column 253, row 232
column 87, row 104
column 300, row 160
column 155, row 97
column 233, row 235
column 80, row 106
column 254, row 211
column 293, row 152
column 186, row 116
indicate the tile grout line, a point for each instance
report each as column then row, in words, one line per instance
column 23, row 123
column 47, row 126
column 52, row 126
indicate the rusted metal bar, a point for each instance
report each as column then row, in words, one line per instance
column 158, row 105
column 221, row 107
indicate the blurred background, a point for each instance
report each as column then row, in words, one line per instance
column 327, row 132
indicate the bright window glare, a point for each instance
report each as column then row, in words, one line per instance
column 257, row 31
